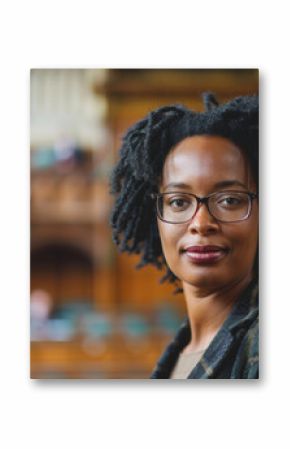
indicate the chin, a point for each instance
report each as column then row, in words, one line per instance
column 205, row 277
column 203, row 282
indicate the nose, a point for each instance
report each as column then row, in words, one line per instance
column 203, row 222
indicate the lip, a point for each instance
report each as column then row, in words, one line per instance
column 204, row 248
column 205, row 254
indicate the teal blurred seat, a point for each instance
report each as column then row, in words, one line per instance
column 97, row 325
column 134, row 325
column 167, row 320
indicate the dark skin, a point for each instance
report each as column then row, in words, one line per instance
column 199, row 165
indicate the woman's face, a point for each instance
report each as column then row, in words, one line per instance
column 203, row 165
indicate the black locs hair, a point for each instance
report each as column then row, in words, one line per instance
column 144, row 149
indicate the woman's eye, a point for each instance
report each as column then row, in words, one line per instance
column 178, row 203
column 229, row 201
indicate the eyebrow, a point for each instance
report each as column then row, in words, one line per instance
column 218, row 185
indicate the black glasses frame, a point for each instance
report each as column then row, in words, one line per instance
column 204, row 200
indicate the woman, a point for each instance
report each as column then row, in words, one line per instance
column 187, row 200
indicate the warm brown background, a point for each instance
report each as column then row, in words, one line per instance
column 88, row 286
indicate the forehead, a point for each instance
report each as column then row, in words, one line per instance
column 205, row 160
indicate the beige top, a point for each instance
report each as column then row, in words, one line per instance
column 185, row 364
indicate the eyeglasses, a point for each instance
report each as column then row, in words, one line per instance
column 225, row 206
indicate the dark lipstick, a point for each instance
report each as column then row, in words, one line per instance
column 205, row 254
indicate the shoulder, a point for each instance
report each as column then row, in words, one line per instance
column 252, row 336
column 247, row 360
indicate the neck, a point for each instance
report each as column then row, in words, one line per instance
column 207, row 310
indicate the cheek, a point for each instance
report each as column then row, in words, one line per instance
column 169, row 236
column 244, row 242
